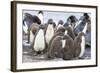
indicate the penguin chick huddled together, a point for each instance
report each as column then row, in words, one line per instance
column 71, row 20
column 60, row 24
column 79, row 45
column 55, row 45
column 64, row 40
column 67, row 47
column 49, row 31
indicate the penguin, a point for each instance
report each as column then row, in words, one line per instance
column 88, row 34
column 85, row 19
column 33, row 30
column 55, row 45
column 49, row 31
column 55, row 48
column 40, row 15
column 39, row 41
column 60, row 24
column 79, row 43
column 29, row 20
column 67, row 47
column 70, row 32
column 60, row 31
column 25, row 28
column 72, row 20
column 50, row 21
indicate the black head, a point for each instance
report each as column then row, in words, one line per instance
column 51, row 22
column 32, row 19
column 72, row 19
column 27, row 17
column 86, row 16
column 61, row 22
column 40, row 12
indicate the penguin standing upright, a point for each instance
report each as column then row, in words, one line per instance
column 49, row 32
column 39, row 41
column 28, row 20
column 55, row 45
column 31, row 19
column 79, row 43
column 60, row 24
column 67, row 47
column 72, row 20
column 55, row 48
column 33, row 30
column 70, row 32
column 40, row 15
column 85, row 19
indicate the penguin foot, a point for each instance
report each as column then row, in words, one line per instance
column 80, row 58
column 39, row 52
column 66, row 58
column 87, row 45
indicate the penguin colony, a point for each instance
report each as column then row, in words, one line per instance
column 64, row 40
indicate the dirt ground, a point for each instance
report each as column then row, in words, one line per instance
column 28, row 56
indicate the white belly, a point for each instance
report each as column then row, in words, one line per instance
column 82, row 46
column 63, row 43
column 49, row 33
column 77, row 24
column 31, row 37
column 25, row 28
column 39, row 42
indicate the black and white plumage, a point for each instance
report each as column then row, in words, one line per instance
column 85, row 19
column 33, row 30
column 72, row 20
column 40, row 16
column 79, row 43
column 39, row 41
column 49, row 30
column 30, row 20
column 60, row 24
column 50, row 21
